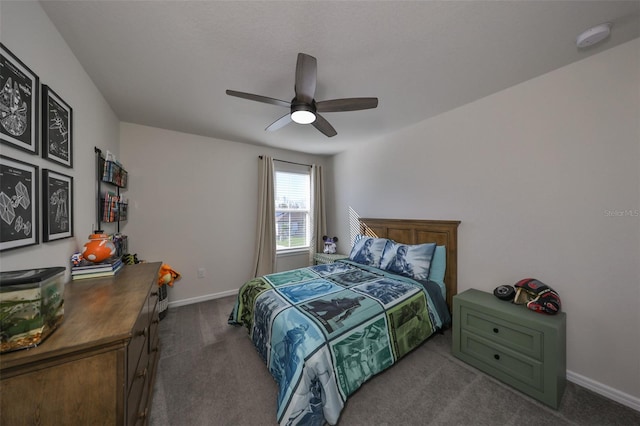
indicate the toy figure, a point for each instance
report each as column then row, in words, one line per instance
column 167, row 275
column 76, row 258
column 329, row 244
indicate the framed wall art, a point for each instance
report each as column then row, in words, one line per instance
column 19, row 103
column 57, row 206
column 18, row 204
column 57, row 131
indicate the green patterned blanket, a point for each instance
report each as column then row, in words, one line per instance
column 325, row 330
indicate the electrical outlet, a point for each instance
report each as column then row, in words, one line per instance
column 201, row 272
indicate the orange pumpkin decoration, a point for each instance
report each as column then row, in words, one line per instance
column 99, row 248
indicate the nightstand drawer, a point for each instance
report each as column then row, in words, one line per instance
column 514, row 336
column 505, row 361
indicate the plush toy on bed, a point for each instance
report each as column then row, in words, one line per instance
column 329, row 244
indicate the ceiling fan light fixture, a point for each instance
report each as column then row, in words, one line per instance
column 303, row 107
column 303, row 115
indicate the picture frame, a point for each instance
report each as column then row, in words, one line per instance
column 20, row 103
column 18, row 203
column 57, row 206
column 57, row 128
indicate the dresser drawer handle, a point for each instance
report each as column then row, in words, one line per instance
column 497, row 356
column 154, row 293
column 142, row 332
column 142, row 414
column 142, row 373
column 495, row 330
column 156, row 321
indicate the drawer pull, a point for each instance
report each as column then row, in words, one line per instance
column 142, row 332
column 142, row 373
column 154, row 293
column 142, row 414
column 497, row 356
column 495, row 330
column 155, row 349
column 155, row 321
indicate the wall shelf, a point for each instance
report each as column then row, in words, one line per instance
column 111, row 179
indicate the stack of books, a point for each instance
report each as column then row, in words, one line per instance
column 87, row 269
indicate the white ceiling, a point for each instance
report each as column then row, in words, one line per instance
column 167, row 64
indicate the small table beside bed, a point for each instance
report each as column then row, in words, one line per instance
column 324, row 330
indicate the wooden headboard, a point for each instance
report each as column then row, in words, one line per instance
column 410, row 231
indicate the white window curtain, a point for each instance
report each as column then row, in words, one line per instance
column 265, row 260
column 318, row 215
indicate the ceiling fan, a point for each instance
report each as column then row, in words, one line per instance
column 303, row 107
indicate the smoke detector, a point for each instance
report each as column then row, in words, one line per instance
column 593, row 35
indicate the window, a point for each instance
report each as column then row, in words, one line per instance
column 293, row 203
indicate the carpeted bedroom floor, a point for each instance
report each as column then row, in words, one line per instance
column 209, row 374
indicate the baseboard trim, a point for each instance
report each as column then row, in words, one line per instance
column 204, row 298
column 597, row 387
column 604, row 390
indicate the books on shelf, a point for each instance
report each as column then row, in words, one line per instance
column 114, row 207
column 96, row 270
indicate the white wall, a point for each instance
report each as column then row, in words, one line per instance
column 193, row 204
column 27, row 31
column 531, row 172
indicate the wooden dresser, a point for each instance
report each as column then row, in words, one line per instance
column 98, row 367
column 522, row 348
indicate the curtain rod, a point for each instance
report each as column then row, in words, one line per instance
column 290, row 162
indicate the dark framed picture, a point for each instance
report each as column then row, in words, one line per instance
column 18, row 204
column 18, row 103
column 57, row 206
column 57, row 132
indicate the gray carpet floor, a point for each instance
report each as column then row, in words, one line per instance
column 210, row 374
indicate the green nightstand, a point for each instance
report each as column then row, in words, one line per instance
column 520, row 347
column 320, row 258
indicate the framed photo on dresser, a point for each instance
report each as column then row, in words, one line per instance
column 19, row 103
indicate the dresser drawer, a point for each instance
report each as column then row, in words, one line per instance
column 486, row 353
column 140, row 382
column 155, row 322
column 514, row 336
column 137, row 346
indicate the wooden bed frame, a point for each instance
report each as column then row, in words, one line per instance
column 410, row 231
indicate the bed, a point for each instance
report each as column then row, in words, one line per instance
column 324, row 330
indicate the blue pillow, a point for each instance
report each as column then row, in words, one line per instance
column 413, row 261
column 368, row 251
column 438, row 265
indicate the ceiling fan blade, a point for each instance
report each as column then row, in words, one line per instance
column 306, row 75
column 347, row 104
column 324, row 126
column 259, row 98
column 280, row 123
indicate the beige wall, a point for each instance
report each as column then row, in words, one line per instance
column 29, row 34
column 531, row 172
column 193, row 204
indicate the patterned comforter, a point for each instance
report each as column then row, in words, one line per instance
column 326, row 329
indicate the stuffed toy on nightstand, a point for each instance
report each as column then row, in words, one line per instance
column 329, row 244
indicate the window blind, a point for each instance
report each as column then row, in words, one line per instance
column 292, row 207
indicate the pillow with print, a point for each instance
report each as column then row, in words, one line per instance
column 368, row 251
column 413, row 261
